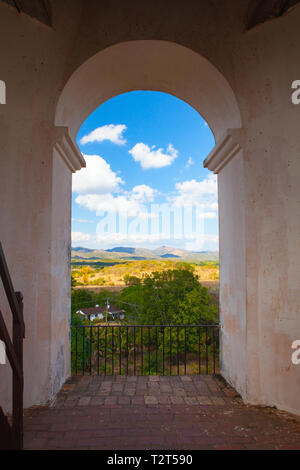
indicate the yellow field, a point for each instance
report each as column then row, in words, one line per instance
column 118, row 274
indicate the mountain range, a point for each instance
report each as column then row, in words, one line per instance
column 129, row 253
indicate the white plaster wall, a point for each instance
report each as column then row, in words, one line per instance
column 232, row 273
column 272, row 210
column 60, row 274
column 32, row 67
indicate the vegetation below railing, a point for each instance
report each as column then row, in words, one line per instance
column 145, row 349
column 170, row 324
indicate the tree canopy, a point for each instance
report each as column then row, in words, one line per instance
column 168, row 297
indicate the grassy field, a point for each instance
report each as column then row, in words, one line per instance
column 117, row 274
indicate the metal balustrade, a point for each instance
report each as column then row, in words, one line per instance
column 145, row 349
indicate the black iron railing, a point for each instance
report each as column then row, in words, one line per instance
column 12, row 437
column 145, row 349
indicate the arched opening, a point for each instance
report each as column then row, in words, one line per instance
column 144, row 206
column 151, row 142
column 173, row 69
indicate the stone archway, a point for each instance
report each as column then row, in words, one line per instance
column 149, row 65
column 46, row 73
column 174, row 69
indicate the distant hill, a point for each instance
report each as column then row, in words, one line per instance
column 124, row 253
column 122, row 249
column 80, row 248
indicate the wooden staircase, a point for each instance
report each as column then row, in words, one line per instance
column 11, row 436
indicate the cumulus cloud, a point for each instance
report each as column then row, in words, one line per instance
column 111, row 132
column 149, row 157
column 204, row 242
column 78, row 237
column 143, row 193
column 195, row 193
column 110, row 239
column 108, row 202
column 96, row 178
column 189, row 163
column 115, row 238
column 203, row 195
column 130, row 203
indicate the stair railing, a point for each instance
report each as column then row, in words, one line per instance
column 13, row 437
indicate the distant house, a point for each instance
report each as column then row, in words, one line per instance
column 111, row 312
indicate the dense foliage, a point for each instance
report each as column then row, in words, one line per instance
column 170, row 297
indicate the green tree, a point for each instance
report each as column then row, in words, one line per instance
column 80, row 344
column 168, row 297
column 81, row 298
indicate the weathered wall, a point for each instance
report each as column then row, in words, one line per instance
column 37, row 61
column 232, row 273
column 32, row 66
column 268, row 65
column 60, row 274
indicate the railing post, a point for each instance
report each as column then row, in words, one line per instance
column 18, row 383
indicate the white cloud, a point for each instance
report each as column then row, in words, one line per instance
column 115, row 238
column 190, row 162
column 151, row 158
column 143, row 193
column 108, row 202
column 203, row 195
column 213, row 206
column 111, row 132
column 197, row 193
column 83, row 221
column 130, row 203
column 206, row 215
column 78, row 237
column 204, row 242
column 106, row 240
column 96, row 178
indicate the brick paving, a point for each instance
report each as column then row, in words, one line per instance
column 136, row 413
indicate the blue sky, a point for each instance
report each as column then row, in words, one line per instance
column 144, row 184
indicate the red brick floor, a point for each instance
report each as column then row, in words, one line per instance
column 187, row 412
